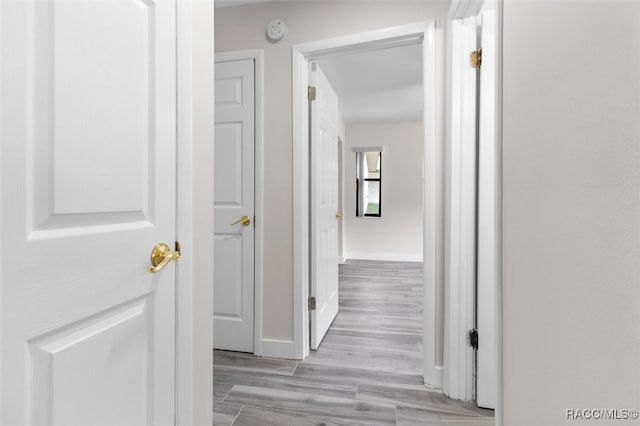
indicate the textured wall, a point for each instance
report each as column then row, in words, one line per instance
column 397, row 235
column 571, row 209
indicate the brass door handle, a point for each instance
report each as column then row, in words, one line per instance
column 339, row 215
column 244, row 220
column 161, row 255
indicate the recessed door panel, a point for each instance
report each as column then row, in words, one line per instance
column 228, row 297
column 91, row 67
column 229, row 164
column 81, row 372
column 229, row 92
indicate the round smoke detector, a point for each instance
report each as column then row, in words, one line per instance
column 276, row 30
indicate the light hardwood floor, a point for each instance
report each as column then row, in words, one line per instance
column 366, row 371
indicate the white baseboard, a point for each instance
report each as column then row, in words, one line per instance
column 391, row 257
column 433, row 376
column 274, row 348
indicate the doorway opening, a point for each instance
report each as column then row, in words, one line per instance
column 473, row 222
column 372, row 102
column 444, row 336
column 422, row 34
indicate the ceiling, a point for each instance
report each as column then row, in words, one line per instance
column 382, row 85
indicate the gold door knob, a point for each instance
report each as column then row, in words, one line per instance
column 244, row 221
column 161, row 255
column 339, row 215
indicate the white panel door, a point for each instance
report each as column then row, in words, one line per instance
column 87, row 178
column 487, row 364
column 234, row 206
column 324, row 205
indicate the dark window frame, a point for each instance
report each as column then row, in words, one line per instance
column 358, row 188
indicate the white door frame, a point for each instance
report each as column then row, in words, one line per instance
column 195, row 133
column 257, row 55
column 424, row 33
column 460, row 212
column 341, row 256
column 458, row 381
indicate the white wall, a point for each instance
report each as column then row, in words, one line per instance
column 397, row 235
column 243, row 27
column 571, row 295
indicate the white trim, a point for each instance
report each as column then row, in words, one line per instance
column 499, row 412
column 413, row 33
column 432, row 371
column 300, row 81
column 184, row 233
column 461, row 214
column 2, row 237
column 259, row 203
column 195, row 21
column 461, row 9
column 341, row 191
column 388, row 37
column 486, row 361
column 276, row 348
column 389, row 257
column 458, row 12
column 367, row 149
column 257, row 55
column 239, row 55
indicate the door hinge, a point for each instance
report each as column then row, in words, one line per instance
column 476, row 58
column 473, row 338
column 312, row 303
column 311, row 93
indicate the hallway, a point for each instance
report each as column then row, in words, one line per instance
column 366, row 372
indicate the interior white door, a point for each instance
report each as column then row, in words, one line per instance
column 234, row 206
column 487, row 363
column 324, row 205
column 88, row 183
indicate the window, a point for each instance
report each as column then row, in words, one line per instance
column 368, row 182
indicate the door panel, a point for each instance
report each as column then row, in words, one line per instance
column 79, row 357
column 229, row 163
column 233, row 199
column 88, row 188
column 228, row 299
column 91, row 76
column 324, row 205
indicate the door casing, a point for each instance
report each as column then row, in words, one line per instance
column 341, row 258
column 195, row 99
column 425, row 34
column 301, row 54
column 457, row 380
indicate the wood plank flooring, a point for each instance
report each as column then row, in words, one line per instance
column 367, row 370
